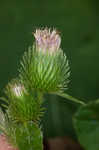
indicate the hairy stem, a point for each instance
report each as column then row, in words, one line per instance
column 69, row 97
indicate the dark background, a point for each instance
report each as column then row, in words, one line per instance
column 78, row 22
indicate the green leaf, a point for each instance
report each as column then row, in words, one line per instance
column 86, row 123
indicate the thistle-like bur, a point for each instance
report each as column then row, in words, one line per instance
column 44, row 66
column 22, row 106
column 21, row 121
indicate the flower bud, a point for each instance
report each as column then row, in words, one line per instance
column 22, row 106
column 44, row 66
column 15, row 89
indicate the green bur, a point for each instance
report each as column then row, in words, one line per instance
column 20, row 123
column 24, row 136
column 27, row 136
column 44, row 71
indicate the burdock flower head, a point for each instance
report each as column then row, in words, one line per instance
column 44, row 66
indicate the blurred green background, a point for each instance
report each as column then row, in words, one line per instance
column 78, row 22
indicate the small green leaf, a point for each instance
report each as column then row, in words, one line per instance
column 86, row 123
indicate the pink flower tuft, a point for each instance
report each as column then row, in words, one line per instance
column 17, row 89
column 47, row 40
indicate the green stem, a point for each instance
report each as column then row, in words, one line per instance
column 69, row 97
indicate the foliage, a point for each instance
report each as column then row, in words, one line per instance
column 86, row 123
